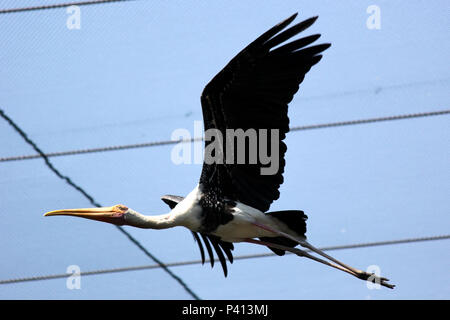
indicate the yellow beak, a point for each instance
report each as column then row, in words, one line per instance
column 114, row 214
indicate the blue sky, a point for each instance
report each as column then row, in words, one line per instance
column 134, row 73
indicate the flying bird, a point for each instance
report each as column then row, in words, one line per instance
column 231, row 201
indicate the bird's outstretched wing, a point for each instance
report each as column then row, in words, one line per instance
column 253, row 92
column 219, row 246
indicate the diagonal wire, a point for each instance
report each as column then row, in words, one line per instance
column 169, row 142
column 101, row 149
column 58, row 5
column 243, row 257
column 93, row 202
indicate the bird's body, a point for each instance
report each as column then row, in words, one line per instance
column 241, row 175
column 242, row 226
column 238, row 219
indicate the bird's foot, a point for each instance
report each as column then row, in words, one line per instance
column 372, row 277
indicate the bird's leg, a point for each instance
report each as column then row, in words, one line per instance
column 307, row 245
column 356, row 272
column 300, row 253
column 360, row 274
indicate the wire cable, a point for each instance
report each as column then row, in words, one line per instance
column 93, row 202
column 58, row 5
column 377, row 89
column 243, row 257
column 170, row 142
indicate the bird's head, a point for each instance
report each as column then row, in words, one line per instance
column 119, row 214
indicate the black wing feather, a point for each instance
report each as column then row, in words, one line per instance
column 220, row 255
column 208, row 248
column 171, row 200
column 253, row 91
column 227, row 247
column 202, row 252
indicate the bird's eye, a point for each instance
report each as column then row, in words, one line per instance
column 121, row 208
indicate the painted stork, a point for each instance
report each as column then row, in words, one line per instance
column 231, row 201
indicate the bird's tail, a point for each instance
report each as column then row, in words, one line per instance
column 295, row 220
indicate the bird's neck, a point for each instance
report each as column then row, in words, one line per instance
column 162, row 221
